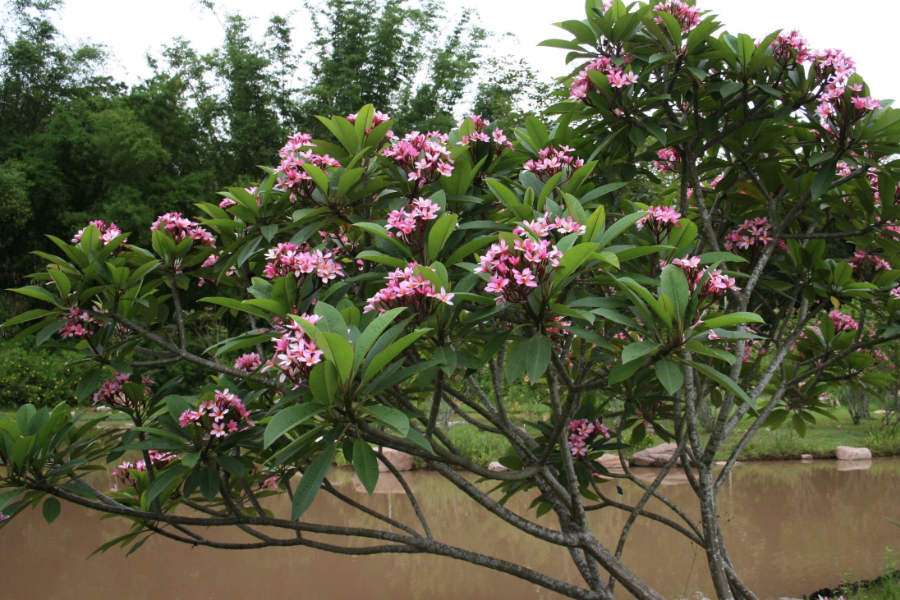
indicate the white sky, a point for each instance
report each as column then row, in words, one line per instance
column 864, row 29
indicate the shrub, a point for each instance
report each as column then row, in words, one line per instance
column 34, row 376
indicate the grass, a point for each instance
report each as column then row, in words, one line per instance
column 781, row 444
column 888, row 588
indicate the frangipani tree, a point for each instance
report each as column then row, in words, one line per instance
column 370, row 277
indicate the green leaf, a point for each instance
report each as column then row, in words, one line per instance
column 419, row 439
column 637, row 350
column 537, row 357
column 51, row 509
column 88, row 384
column 365, row 462
column 338, row 351
column 721, row 379
column 372, row 332
column 440, row 233
column 8, row 496
column 572, row 260
column 712, row 257
column 231, row 465
column 669, row 375
column 390, row 353
column 675, row 285
column 391, row 417
column 349, row 178
column 311, row 482
column 318, row 176
column 30, row 315
column 287, row 419
column 732, row 319
column 622, row 371
column 162, row 481
column 382, row 259
column 823, row 180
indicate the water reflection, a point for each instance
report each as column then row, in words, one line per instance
column 791, row 527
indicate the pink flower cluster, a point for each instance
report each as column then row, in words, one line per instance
column 248, row 362
column 668, row 158
column 716, row 286
column 515, row 272
column 713, row 288
column 582, row 432
column 424, row 157
column 791, row 49
column 479, row 135
column 223, row 415
column 687, row 16
column 293, row 177
column 79, row 324
column 553, row 161
column 616, row 76
column 377, row 119
column 543, row 226
column 107, row 232
column 408, row 289
column 295, row 353
column 411, row 220
column 158, row 460
column 111, row 391
column 865, row 265
column 842, row 322
column 182, row 228
column 299, row 261
column 659, row 220
column 754, row 235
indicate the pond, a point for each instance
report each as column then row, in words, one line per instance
column 791, row 528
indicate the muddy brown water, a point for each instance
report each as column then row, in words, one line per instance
column 791, row 528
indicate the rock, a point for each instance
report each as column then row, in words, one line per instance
column 722, row 463
column 854, row 465
column 848, row 453
column 673, row 477
column 806, row 457
column 497, row 467
column 657, row 456
column 611, row 462
column 400, row 460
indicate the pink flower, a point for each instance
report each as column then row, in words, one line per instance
column 659, row 220
column 248, row 362
column 687, row 16
column 300, row 261
column 444, row 297
column 423, row 157
column 668, row 158
column 842, row 323
column 181, row 229
column 107, row 232
column 295, row 353
column 865, row 265
column 111, row 392
column 552, row 161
